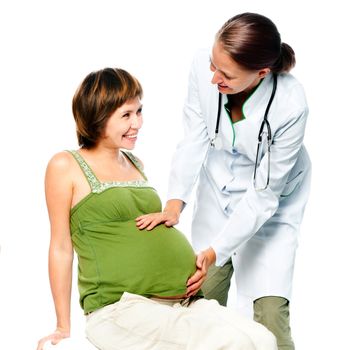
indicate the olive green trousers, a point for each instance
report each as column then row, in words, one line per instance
column 271, row 311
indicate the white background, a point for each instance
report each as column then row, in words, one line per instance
column 48, row 47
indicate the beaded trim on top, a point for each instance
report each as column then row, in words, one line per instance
column 98, row 186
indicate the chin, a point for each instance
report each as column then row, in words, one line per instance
column 226, row 90
column 128, row 147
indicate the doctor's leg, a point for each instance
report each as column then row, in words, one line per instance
column 273, row 312
column 217, row 283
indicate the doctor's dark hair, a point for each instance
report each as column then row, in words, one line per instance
column 97, row 98
column 253, row 41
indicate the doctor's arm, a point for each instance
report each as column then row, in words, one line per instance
column 187, row 160
column 256, row 207
column 58, row 189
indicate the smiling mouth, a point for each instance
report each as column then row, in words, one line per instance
column 133, row 136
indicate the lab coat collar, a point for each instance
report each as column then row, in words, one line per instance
column 260, row 95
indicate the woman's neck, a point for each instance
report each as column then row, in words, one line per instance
column 105, row 154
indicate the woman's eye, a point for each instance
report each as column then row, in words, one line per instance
column 125, row 115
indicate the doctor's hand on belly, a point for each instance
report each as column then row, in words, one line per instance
column 169, row 216
column 203, row 261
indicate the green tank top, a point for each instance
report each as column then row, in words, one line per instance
column 114, row 256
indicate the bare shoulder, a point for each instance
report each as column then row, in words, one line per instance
column 61, row 164
column 59, row 185
column 61, row 161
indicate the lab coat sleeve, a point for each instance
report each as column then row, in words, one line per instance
column 256, row 207
column 191, row 151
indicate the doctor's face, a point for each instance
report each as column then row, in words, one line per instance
column 229, row 76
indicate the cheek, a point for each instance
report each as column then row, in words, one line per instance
column 123, row 129
column 117, row 129
column 240, row 84
column 235, row 85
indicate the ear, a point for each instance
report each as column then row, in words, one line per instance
column 263, row 72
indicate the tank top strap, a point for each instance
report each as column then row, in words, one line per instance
column 135, row 162
column 94, row 183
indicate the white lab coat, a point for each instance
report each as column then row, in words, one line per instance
column 257, row 229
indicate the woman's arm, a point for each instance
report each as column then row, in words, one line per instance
column 59, row 189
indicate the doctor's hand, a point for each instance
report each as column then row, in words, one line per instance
column 149, row 221
column 55, row 338
column 203, row 261
column 169, row 216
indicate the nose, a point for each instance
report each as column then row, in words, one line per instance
column 217, row 78
column 137, row 122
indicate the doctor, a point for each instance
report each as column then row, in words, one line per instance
column 251, row 196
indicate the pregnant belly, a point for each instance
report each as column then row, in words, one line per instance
column 152, row 263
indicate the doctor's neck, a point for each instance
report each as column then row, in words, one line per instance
column 242, row 96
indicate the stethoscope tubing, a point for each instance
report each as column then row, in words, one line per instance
column 264, row 123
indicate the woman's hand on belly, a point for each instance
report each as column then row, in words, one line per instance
column 203, row 261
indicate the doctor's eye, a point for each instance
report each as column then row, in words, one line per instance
column 212, row 68
column 228, row 77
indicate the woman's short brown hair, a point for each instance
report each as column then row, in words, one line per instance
column 97, row 98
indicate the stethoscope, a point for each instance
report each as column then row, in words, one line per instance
column 264, row 135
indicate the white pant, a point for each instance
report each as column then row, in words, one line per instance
column 138, row 323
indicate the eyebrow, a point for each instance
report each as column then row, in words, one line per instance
column 226, row 75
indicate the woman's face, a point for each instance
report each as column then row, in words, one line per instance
column 229, row 76
column 123, row 125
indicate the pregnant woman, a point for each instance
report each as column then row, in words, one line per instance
column 132, row 283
